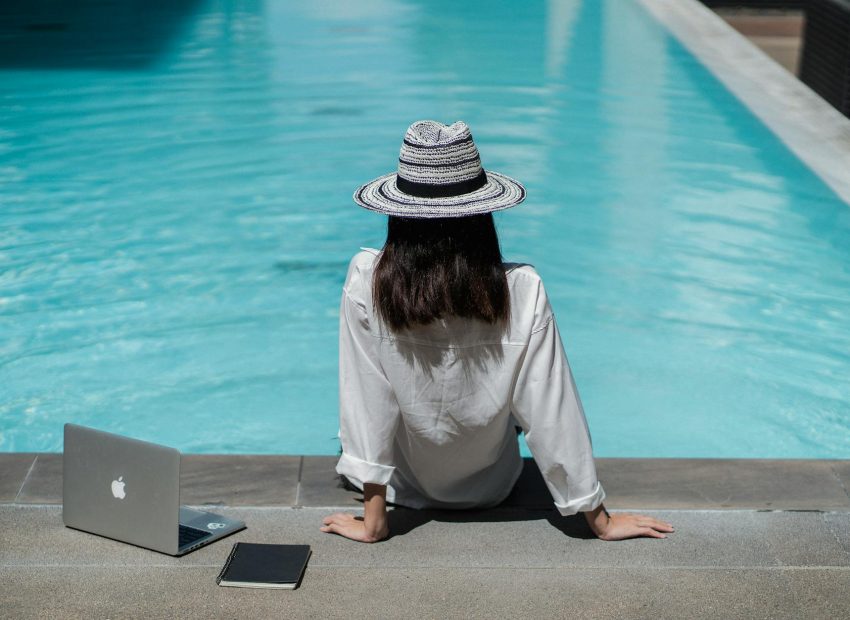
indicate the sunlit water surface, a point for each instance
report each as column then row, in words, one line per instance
column 176, row 220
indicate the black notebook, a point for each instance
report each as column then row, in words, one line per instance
column 255, row 565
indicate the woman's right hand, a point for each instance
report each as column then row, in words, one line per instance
column 371, row 527
column 620, row 526
column 354, row 527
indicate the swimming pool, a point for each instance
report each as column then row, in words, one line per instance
column 176, row 220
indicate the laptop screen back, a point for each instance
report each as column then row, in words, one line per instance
column 121, row 488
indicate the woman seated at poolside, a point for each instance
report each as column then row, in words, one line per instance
column 445, row 350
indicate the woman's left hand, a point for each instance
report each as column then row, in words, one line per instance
column 619, row 526
column 354, row 528
column 626, row 525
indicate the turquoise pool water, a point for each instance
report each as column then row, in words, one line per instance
column 176, row 220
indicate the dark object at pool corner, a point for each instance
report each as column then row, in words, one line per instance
column 757, row 4
column 825, row 55
column 825, row 65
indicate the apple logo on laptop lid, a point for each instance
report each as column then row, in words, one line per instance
column 118, row 488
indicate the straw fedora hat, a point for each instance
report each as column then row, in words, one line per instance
column 439, row 175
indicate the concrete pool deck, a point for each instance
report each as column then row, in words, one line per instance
column 754, row 538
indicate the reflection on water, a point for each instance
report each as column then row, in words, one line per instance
column 106, row 34
column 291, row 266
column 176, row 180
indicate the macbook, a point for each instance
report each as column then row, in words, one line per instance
column 129, row 490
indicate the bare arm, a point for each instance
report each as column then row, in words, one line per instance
column 622, row 525
column 371, row 527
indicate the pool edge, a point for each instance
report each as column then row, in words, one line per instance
column 817, row 133
column 28, row 479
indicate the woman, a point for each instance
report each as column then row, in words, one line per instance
column 445, row 350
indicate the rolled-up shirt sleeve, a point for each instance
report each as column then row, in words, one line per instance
column 547, row 406
column 369, row 412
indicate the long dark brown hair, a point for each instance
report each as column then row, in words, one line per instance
column 433, row 268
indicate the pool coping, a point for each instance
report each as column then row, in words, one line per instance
column 817, row 133
column 295, row 481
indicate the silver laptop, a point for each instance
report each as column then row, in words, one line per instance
column 129, row 490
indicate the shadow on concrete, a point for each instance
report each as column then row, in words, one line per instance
column 529, row 501
column 405, row 520
column 89, row 34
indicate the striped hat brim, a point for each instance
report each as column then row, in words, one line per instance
column 382, row 195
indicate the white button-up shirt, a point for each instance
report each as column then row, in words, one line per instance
column 431, row 411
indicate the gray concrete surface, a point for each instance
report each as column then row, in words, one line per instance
column 446, row 593
column 791, row 484
column 266, row 480
column 728, row 563
column 14, row 470
column 43, row 482
column 754, row 539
